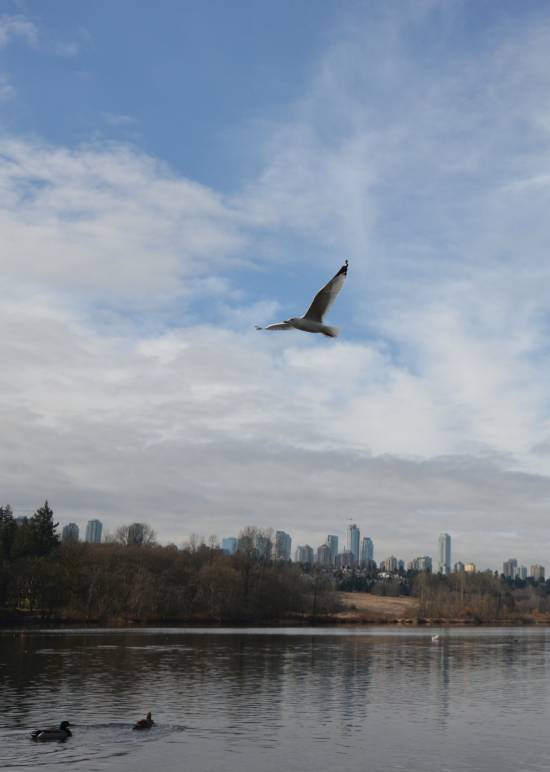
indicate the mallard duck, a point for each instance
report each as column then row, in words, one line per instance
column 53, row 733
column 144, row 723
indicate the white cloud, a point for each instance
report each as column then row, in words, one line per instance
column 17, row 27
column 108, row 223
column 200, row 430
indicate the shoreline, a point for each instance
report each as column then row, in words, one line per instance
column 336, row 621
column 357, row 609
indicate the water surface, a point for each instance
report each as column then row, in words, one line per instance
column 377, row 699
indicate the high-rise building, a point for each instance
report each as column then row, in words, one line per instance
column 444, row 554
column 332, row 542
column 470, row 568
column 324, row 555
column 367, row 549
column 423, row 563
column 345, row 559
column 93, row 531
column 509, row 568
column 353, row 540
column 229, row 545
column 458, row 567
column 264, row 546
column 304, row 554
column 136, row 534
column 521, row 572
column 391, row 564
column 283, row 545
column 537, row 572
column 70, row 532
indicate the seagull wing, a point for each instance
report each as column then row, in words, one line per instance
column 326, row 296
column 278, row 326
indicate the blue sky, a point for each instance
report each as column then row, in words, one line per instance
column 189, row 77
column 172, row 175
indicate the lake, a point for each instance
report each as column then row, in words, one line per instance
column 377, row 699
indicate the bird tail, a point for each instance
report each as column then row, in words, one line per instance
column 331, row 332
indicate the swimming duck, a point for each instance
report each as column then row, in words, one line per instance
column 53, row 733
column 144, row 723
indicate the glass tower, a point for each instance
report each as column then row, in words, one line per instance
column 93, row 531
column 353, row 541
column 444, row 554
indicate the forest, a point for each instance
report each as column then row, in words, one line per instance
column 120, row 581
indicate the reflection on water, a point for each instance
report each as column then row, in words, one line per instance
column 251, row 700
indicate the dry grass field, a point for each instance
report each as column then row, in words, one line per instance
column 364, row 607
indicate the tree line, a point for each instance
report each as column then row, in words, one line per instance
column 123, row 581
column 483, row 597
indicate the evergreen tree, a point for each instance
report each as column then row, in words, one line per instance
column 43, row 530
column 8, row 529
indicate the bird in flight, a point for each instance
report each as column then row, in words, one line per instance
column 312, row 320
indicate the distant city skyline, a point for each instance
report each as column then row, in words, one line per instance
column 441, row 547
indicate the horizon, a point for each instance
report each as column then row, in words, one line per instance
column 171, row 177
column 204, row 540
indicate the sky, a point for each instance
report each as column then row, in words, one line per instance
column 173, row 174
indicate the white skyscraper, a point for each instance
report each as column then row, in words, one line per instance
column 353, row 541
column 444, row 554
column 93, row 531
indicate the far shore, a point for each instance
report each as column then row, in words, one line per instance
column 358, row 609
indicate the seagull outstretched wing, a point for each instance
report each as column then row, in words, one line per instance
column 326, row 296
column 278, row 326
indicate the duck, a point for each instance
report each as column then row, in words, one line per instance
column 144, row 723
column 53, row 733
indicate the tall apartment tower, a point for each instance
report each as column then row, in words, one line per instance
column 229, row 545
column 304, row 554
column 136, row 534
column 367, row 549
column 93, row 531
column 353, row 541
column 332, row 542
column 509, row 568
column 70, row 532
column 283, row 545
column 444, row 554
column 324, row 555
column 537, row 572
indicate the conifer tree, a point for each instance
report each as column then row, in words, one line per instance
column 8, row 529
column 43, row 529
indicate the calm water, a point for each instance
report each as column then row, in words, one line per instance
column 294, row 699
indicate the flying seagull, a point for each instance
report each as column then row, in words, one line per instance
column 312, row 320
